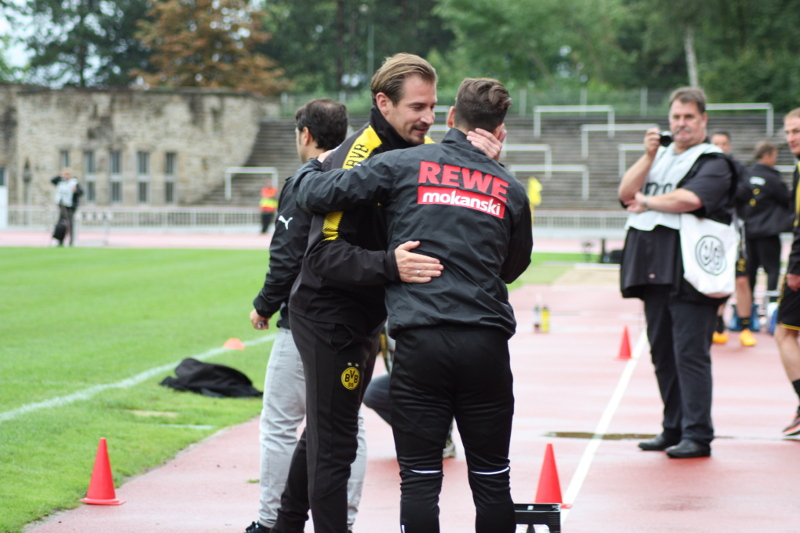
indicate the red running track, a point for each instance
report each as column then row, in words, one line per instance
column 568, row 383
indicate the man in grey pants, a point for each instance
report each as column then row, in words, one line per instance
column 320, row 125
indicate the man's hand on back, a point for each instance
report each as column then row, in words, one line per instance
column 416, row 268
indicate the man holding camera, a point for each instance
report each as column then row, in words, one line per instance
column 679, row 173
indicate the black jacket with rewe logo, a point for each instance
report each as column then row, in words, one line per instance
column 464, row 208
column 346, row 261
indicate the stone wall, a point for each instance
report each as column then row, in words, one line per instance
column 8, row 128
column 205, row 131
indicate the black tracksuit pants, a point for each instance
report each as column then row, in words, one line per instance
column 765, row 252
column 338, row 363
column 680, row 345
column 438, row 373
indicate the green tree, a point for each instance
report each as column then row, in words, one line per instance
column 548, row 42
column 337, row 44
column 208, row 43
column 82, row 42
column 745, row 50
column 8, row 73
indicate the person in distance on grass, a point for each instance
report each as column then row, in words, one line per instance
column 689, row 176
column 786, row 334
column 68, row 193
column 452, row 333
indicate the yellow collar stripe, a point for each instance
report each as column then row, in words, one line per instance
column 797, row 199
column 361, row 149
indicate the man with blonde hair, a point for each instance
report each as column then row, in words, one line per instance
column 337, row 302
column 786, row 334
column 451, row 357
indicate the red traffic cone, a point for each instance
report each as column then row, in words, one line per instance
column 233, row 344
column 101, row 487
column 549, row 490
column 625, row 346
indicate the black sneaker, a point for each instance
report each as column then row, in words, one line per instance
column 255, row 527
column 794, row 428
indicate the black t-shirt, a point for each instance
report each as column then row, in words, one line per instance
column 654, row 257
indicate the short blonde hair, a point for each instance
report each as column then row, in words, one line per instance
column 794, row 113
column 390, row 77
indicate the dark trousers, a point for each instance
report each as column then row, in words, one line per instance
column 765, row 252
column 266, row 220
column 680, row 344
column 67, row 214
column 439, row 373
column 338, row 364
column 377, row 398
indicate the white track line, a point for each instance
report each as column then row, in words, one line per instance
column 602, row 426
column 85, row 394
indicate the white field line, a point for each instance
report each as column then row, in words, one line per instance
column 602, row 426
column 85, row 394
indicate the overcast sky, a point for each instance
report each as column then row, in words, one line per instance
column 16, row 54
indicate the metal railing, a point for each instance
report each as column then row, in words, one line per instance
column 149, row 218
column 748, row 107
column 582, row 109
column 544, row 148
column 586, row 128
column 623, row 151
column 200, row 219
column 583, row 169
column 230, row 171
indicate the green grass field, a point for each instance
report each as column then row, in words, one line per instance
column 74, row 319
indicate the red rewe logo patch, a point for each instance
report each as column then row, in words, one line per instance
column 472, row 200
column 462, row 178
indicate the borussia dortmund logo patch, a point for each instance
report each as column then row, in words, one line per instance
column 351, row 378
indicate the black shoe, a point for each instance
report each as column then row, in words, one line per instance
column 689, row 449
column 255, row 527
column 659, row 443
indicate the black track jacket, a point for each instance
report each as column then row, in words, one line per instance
column 285, row 256
column 346, row 261
column 794, row 254
column 466, row 210
column 766, row 213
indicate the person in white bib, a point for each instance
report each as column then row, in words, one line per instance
column 689, row 175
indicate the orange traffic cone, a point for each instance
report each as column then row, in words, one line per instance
column 233, row 344
column 101, row 487
column 549, row 490
column 625, row 346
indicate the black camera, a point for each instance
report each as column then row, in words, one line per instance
column 665, row 138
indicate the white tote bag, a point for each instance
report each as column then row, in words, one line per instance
column 709, row 252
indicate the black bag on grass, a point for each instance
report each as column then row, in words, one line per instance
column 210, row 379
column 60, row 231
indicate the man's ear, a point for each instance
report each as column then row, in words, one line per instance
column 451, row 117
column 498, row 131
column 305, row 137
column 382, row 102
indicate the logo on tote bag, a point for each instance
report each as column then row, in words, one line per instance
column 710, row 254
